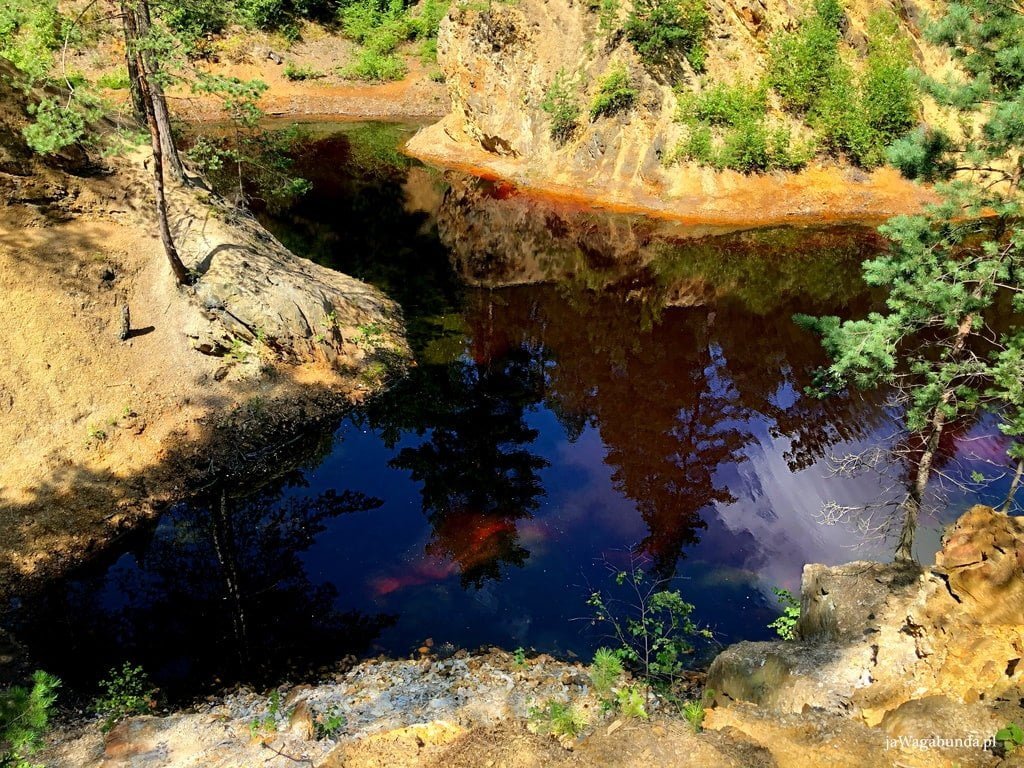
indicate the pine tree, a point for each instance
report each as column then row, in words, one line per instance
column 945, row 269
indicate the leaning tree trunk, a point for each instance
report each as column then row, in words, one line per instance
column 136, row 24
column 915, row 498
column 131, row 32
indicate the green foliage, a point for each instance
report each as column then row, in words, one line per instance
column 693, row 712
column 563, row 106
column 267, row 723
column 605, row 670
column 652, row 625
column 328, row 724
column 114, row 81
column 785, row 625
column 55, row 126
column 284, row 15
column 293, row 71
column 519, row 658
column 661, row 29
column 558, row 719
column 858, row 117
column 193, row 20
column 380, row 26
column 262, row 158
column 24, row 719
column 615, row 93
column 631, row 702
column 29, row 34
column 126, row 691
column 801, row 61
column 727, row 128
column 946, row 269
column 1011, row 737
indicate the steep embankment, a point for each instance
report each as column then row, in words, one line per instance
column 500, row 63
column 95, row 430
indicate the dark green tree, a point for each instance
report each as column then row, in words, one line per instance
column 947, row 269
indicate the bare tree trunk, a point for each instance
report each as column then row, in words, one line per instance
column 133, row 27
column 131, row 32
column 137, row 27
column 1014, row 485
column 915, row 498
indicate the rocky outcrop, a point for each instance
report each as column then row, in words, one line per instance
column 919, row 653
column 500, row 61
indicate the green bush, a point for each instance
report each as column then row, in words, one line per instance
column 801, row 62
column 114, row 81
column 615, row 93
column 563, row 106
column 56, row 125
column 24, row 719
column 294, row 72
column 370, row 65
column 659, row 29
column 558, row 719
column 195, row 19
column 126, row 691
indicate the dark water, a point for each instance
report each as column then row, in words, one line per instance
column 588, row 385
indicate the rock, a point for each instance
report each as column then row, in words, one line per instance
column 913, row 650
column 300, row 722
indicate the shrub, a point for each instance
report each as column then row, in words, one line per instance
column 653, row 625
column 745, row 147
column 56, row 125
column 558, row 719
column 563, row 106
column 195, row 19
column 370, row 65
column 297, row 72
column 24, row 719
column 631, row 702
column 801, row 62
column 114, row 81
column 615, row 93
column 726, row 104
column 126, row 691
column 605, row 670
column 660, row 28
column 694, row 712
column 785, row 625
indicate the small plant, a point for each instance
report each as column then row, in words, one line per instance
column 1011, row 737
column 694, row 712
column 239, row 350
column 631, row 702
column 327, row 725
column 653, row 624
column 294, row 72
column 615, row 93
column 97, row 433
column 519, row 658
column 24, row 719
column 113, row 81
column 558, row 719
column 785, row 625
column 126, row 691
column 605, row 670
column 563, row 106
column 268, row 723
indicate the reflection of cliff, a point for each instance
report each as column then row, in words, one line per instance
column 498, row 237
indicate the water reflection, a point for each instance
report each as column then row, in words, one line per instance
column 585, row 382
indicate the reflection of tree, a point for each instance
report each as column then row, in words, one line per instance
column 217, row 594
column 477, row 472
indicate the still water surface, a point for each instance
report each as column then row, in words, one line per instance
column 588, row 385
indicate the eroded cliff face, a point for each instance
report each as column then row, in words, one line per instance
column 500, row 61
column 913, row 652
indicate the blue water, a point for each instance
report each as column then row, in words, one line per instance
column 591, row 391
